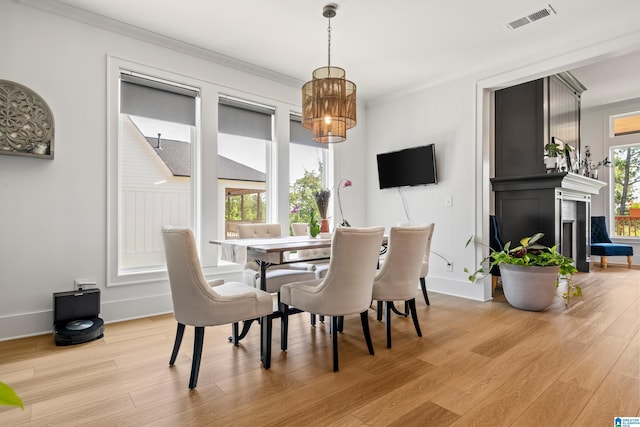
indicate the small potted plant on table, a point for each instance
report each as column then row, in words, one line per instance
column 530, row 273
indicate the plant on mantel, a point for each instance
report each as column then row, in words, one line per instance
column 530, row 253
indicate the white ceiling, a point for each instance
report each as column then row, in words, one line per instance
column 393, row 46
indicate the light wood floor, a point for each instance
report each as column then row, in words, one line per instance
column 476, row 364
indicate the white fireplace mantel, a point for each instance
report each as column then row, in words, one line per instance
column 582, row 184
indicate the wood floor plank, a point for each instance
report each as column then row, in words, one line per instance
column 618, row 395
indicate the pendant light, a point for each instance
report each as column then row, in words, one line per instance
column 329, row 99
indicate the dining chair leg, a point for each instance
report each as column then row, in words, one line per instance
column 364, row 319
column 312, row 319
column 266, row 330
column 379, row 311
column 234, row 333
column 387, row 321
column 176, row 344
column 334, row 341
column 284, row 326
column 340, row 324
column 414, row 316
column 423, row 285
column 398, row 312
column 197, row 356
column 321, row 317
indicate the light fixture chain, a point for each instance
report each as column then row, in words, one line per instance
column 329, row 43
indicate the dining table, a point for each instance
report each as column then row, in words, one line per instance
column 269, row 251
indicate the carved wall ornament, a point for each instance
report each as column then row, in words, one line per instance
column 26, row 122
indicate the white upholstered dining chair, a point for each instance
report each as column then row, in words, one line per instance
column 199, row 303
column 396, row 280
column 345, row 290
column 320, row 266
column 276, row 275
column 424, row 268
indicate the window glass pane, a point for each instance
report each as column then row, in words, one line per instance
column 154, row 187
column 626, row 191
column 307, row 168
column 242, row 176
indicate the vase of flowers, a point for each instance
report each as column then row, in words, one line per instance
column 322, row 200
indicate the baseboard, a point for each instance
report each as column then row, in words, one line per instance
column 40, row 323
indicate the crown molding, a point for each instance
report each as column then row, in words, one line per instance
column 93, row 19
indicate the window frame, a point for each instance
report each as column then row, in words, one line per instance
column 115, row 275
column 615, row 142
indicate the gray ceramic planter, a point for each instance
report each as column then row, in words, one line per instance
column 529, row 288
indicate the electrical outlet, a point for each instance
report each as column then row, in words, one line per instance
column 450, row 266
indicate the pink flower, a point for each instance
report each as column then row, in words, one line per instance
column 347, row 183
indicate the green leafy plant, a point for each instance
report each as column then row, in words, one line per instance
column 553, row 150
column 8, row 397
column 530, row 253
column 634, row 205
column 314, row 227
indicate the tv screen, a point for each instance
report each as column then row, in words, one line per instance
column 408, row 167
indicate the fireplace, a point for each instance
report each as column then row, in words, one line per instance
column 556, row 204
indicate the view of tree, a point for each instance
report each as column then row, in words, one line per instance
column 235, row 205
column 626, row 169
column 301, row 196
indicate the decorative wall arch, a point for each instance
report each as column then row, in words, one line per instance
column 26, row 122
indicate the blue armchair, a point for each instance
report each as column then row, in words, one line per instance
column 602, row 245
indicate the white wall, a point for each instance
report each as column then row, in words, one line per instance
column 445, row 116
column 53, row 212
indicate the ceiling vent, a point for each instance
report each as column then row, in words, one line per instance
column 535, row 16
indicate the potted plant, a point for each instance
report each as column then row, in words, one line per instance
column 553, row 152
column 634, row 209
column 530, row 273
column 322, row 200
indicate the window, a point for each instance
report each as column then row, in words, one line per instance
column 307, row 171
column 157, row 128
column 180, row 152
column 245, row 131
column 625, row 174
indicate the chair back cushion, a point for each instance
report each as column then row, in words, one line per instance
column 599, row 233
column 424, row 268
column 188, row 285
column 348, row 285
column 399, row 275
column 246, row 231
column 300, row 228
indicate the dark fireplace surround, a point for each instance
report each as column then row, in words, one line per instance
column 556, row 204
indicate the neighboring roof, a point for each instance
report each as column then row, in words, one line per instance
column 176, row 155
column 230, row 169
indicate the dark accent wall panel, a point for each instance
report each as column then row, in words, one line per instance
column 519, row 130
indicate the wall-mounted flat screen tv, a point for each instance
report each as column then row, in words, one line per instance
column 408, row 167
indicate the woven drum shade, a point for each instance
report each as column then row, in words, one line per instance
column 329, row 105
